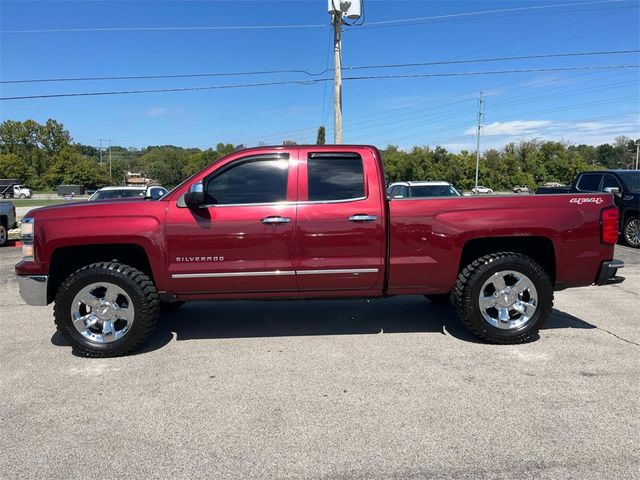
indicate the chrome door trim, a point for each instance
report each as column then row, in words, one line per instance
column 352, row 271
column 276, row 273
column 273, row 273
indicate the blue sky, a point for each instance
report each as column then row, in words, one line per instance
column 592, row 106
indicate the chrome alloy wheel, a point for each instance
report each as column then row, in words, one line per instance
column 508, row 300
column 632, row 232
column 102, row 312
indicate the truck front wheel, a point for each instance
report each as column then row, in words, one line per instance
column 106, row 309
column 504, row 297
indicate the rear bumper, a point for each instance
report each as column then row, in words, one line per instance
column 608, row 272
column 33, row 289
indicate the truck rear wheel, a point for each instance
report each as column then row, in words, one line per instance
column 504, row 297
column 106, row 309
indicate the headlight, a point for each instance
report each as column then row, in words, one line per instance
column 26, row 233
column 26, row 228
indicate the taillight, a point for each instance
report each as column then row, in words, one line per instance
column 609, row 225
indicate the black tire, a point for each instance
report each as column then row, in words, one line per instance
column 171, row 306
column 138, row 287
column 468, row 289
column 629, row 232
column 444, row 299
column 4, row 234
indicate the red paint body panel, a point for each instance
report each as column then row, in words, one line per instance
column 424, row 238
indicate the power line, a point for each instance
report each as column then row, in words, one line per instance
column 278, row 27
column 160, row 29
column 313, row 82
column 326, row 70
column 495, row 72
column 485, row 12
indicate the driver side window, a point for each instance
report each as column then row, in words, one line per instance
column 250, row 181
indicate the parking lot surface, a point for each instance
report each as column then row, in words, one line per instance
column 386, row 388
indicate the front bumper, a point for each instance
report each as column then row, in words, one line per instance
column 608, row 272
column 33, row 289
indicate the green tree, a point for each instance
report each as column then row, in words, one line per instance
column 320, row 139
column 12, row 166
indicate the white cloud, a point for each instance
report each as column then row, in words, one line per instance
column 157, row 112
column 515, row 127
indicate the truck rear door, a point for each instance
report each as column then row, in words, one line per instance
column 340, row 230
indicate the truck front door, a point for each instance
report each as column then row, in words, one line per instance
column 242, row 240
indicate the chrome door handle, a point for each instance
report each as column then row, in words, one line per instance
column 275, row 220
column 360, row 217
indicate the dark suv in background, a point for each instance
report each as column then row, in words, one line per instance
column 624, row 184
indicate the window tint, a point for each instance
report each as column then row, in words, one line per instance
column 610, row 181
column 335, row 178
column 257, row 181
column 108, row 194
column 393, row 191
column 434, row 191
column 631, row 180
column 589, row 182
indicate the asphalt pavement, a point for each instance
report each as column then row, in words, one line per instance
column 386, row 388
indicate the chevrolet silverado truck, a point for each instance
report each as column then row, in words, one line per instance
column 624, row 184
column 309, row 222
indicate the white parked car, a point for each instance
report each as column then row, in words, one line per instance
column 481, row 189
column 109, row 193
column 422, row 190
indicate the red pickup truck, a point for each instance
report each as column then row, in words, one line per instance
column 309, row 222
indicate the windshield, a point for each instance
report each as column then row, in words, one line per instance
column 109, row 194
column 434, row 191
column 631, row 179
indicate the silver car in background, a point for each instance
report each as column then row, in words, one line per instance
column 422, row 189
column 109, row 193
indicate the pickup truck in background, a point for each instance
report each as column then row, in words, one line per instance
column 625, row 186
column 7, row 221
column 309, row 222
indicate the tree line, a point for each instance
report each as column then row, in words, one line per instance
column 43, row 156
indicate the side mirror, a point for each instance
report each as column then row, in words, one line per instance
column 614, row 190
column 194, row 198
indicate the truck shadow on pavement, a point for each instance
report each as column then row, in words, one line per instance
column 253, row 319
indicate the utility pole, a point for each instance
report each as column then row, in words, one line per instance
column 338, row 9
column 337, row 78
column 110, row 176
column 637, row 151
column 480, row 117
column 100, row 148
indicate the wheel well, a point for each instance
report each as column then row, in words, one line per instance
column 539, row 249
column 67, row 260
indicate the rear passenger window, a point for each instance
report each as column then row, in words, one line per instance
column 335, row 177
column 589, row 182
